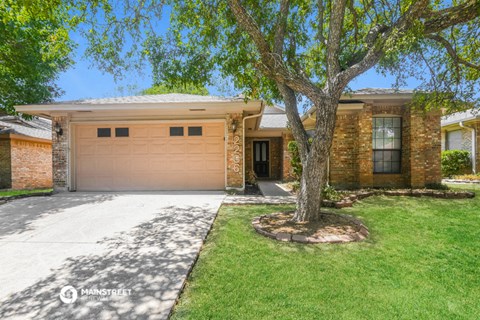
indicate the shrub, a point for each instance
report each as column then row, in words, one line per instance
column 295, row 160
column 436, row 186
column 455, row 162
column 329, row 193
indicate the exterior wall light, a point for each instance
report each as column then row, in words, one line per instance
column 234, row 125
column 58, row 129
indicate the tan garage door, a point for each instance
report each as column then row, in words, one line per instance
column 167, row 156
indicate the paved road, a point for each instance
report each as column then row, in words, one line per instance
column 140, row 244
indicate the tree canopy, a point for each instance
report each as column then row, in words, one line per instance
column 188, row 88
column 34, row 48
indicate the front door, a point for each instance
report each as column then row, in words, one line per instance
column 261, row 159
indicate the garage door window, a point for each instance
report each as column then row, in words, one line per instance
column 104, row 132
column 194, row 131
column 121, row 132
column 176, row 131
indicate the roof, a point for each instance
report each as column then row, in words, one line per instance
column 146, row 106
column 36, row 128
column 273, row 117
column 155, row 98
column 457, row 117
column 381, row 91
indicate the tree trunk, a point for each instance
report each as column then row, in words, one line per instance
column 313, row 180
column 315, row 162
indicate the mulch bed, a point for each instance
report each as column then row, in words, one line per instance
column 331, row 228
column 351, row 197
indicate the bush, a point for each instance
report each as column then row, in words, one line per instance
column 295, row 161
column 455, row 162
column 329, row 193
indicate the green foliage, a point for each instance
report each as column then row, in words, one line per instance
column 455, row 162
column 34, row 49
column 188, row 89
column 295, row 160
column 329, row 193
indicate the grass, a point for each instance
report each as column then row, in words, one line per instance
column 422, row 261
column 11, row 193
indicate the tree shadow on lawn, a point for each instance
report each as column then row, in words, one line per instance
column 18, row 215
column 152, row 260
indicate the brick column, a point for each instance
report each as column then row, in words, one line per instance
column 287, row 172
column 235, row 149
column 60, row 154
column 432, row 147
column 478, row 147
column 365, row 161
column 417, row 149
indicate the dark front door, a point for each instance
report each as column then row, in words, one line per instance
column 261, row 158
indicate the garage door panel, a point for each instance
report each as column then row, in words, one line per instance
column 103, row 148
column 197, row 147
column 176, row 147
column 139, row 132
column 149, row 159
column 158, row 131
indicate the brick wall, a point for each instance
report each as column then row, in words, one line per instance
column 478, row 147
column 365, row 163
column 351, row 164
column 235, row 149
column 344, row 152
column 5, row 167
column 31, row 164
column 60, row 154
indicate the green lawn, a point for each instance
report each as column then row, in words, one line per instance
column 8, row 193
column 422, row 261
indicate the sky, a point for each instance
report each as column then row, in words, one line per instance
column 83, row 80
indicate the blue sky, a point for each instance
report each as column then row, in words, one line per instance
column 84, row 80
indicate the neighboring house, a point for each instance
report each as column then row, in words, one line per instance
column 188, row 142
column 25, row 153
column 461, row 131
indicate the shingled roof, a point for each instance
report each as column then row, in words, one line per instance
column 35, row 128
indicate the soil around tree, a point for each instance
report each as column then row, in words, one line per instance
column 331, row 228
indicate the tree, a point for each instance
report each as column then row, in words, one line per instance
column 34, row 49
column 310, row 51
column 189, row 89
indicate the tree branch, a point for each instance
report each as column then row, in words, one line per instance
column 281, row 27
column 440, row 20
column 451, row 51
column 321, row 14
column 294, row 119
column 334, row 38
column 381, row 35
column 273, row 65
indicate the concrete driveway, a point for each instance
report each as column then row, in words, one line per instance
column 141, row 245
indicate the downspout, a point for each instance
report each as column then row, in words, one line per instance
column 474, row 145
column 243, row 143
column 328, row 159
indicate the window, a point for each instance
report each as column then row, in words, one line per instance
column 176, row 131
column 387, row 145
column 455, row 141
column 104, row 132
column 194, row 131
column 121, row 132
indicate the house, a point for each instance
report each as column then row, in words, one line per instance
column 25, row 153
column 461, row 131
column 189, row 142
